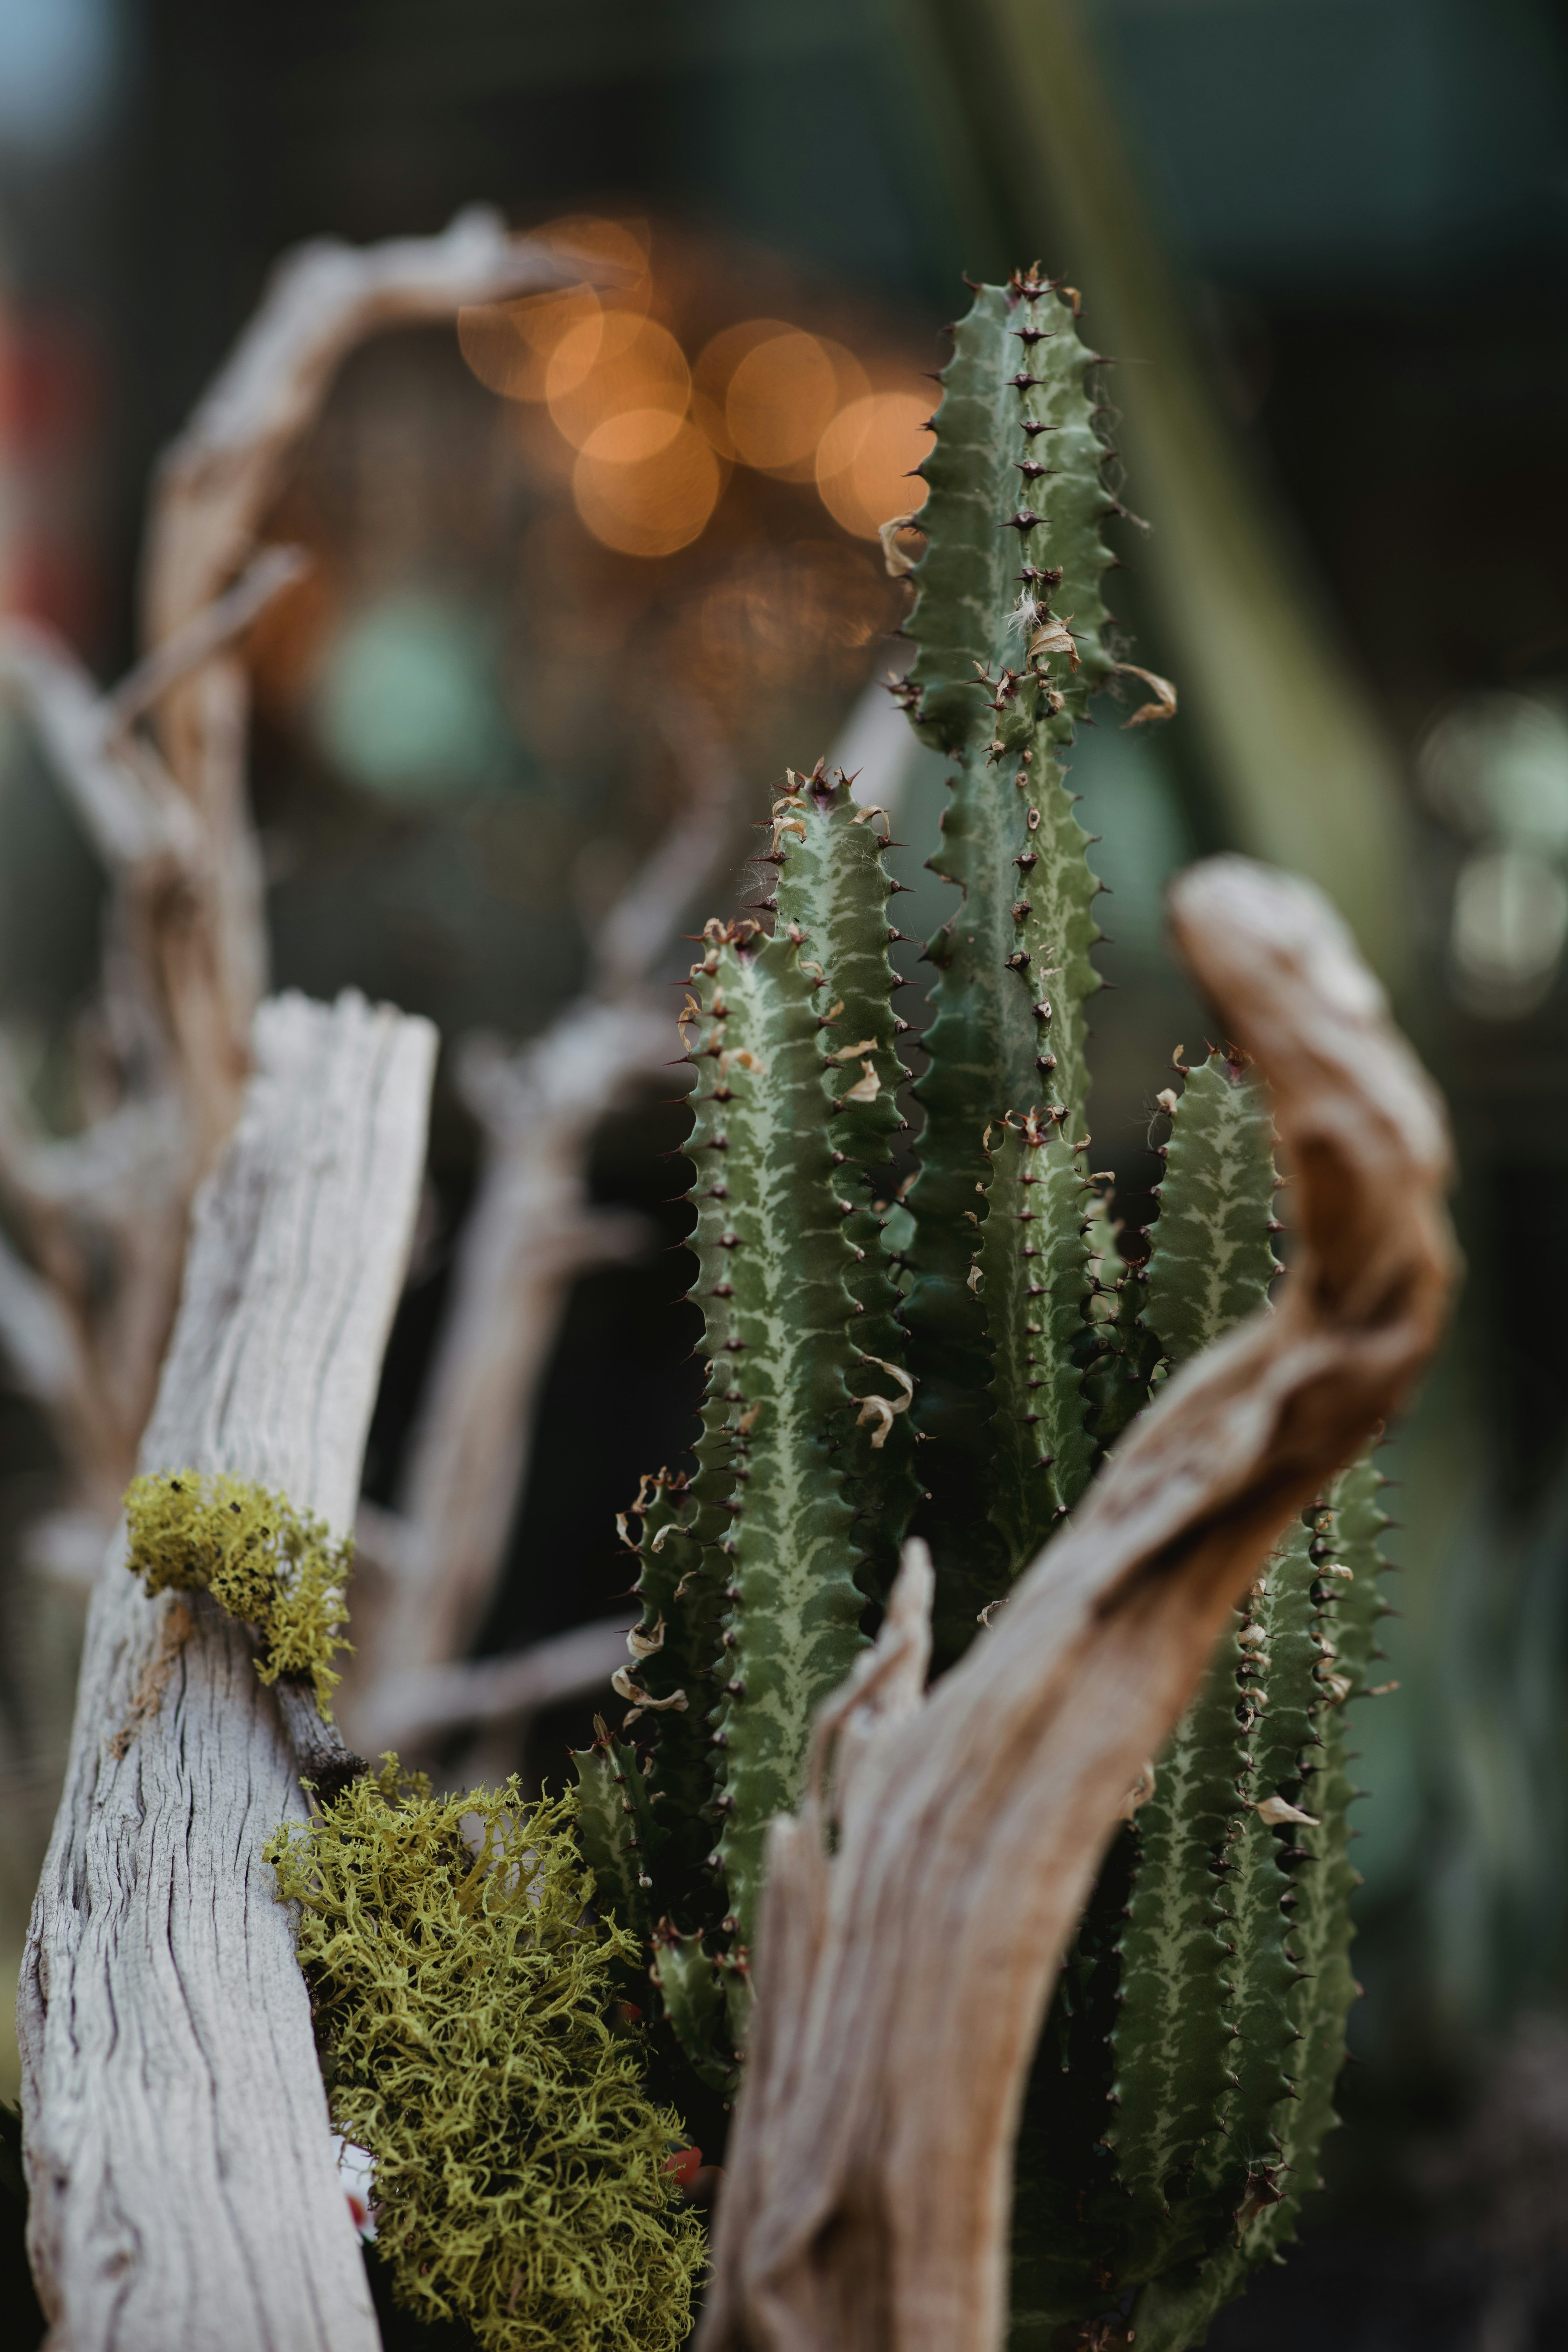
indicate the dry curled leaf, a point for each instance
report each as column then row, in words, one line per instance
column 883, row 1410
column 1053, row 637
column 1163, row 705
column 1274, row 1809
column 898, row 560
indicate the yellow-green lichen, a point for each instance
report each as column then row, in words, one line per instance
column 279, row 1569
column 464, row 2005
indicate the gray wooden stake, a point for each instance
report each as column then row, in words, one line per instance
column 184, row 2193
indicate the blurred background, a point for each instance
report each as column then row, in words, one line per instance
column 592, row 565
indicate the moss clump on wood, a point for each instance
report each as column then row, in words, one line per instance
column 279, row 1569
column 467, row 2011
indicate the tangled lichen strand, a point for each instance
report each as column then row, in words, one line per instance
column 277, row 1569
column 464, row 2006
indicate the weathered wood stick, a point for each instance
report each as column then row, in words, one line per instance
column 530, row 1232
column 184, row 2189
column 413, row 1708
column 904, row 1977
column 216, row 481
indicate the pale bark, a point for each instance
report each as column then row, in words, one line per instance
column 185, row 956
column 112, row 1201
column 217, row 481
column 409, row 1710
column 212, row 493
column 184, row 2193
column 531, row 1234
column 903, row 1977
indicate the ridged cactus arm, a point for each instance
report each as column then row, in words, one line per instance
column 1212, row 1258
column 834, row 887
column 1210, row 1266
column 1123, row 1353
column 674, row 1675
column 1197, row 2062
column 1006, row 654
column 682, row 1585
column 1358, row 1522
column 1035, row 1286
column 1311, row 1620
column 609, row 1774
column 687, row 1973
column 1344, row 1558
column 1305, row 1641
column 1017, row 447
column 773, row 1291
column 1180, row 1979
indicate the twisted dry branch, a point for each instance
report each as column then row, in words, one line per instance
column 903, row 1977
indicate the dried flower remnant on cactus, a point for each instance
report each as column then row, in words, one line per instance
column 474, row 2042
column 275, row 1567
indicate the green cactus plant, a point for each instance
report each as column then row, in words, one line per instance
column 951, row 1347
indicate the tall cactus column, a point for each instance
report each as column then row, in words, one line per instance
column 1184, row 2083
column 1009, row 628
column 756, row 1568
column 965, row 1361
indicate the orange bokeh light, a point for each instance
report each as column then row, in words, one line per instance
column 608, row 366
column 865, row 455
column 714, row 366
column 780, row 400
column 645, row 482
column 654, row 436
column 764, row 391
column 508, row 344
column 614, row 254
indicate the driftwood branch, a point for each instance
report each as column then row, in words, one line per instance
column 410, row 1710
column 185, row 951
column 183, row 2187
column 118, row 807
column 216, row 482
column 903, row 1977
column 529, row 1237
column 211, row 496
column 208, row 631
column 531, row 1234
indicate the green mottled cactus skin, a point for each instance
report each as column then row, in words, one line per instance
column 1008, row 624
column 752, row 1606
column 833, row 886
column 969, row 1380
column 1213, row 1258
column 607, row 1830
column 1034, row 1287
column 775, row 1293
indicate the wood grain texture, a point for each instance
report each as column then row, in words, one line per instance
column 185, row 2195
column 902, row 1977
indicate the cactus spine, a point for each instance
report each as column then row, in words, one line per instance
column 966, row 1382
